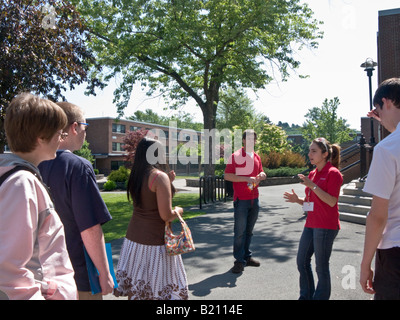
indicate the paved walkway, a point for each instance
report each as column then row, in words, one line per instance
column 275, row 241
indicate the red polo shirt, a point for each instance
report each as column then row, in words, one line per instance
column 329, row 179
column 242, row 164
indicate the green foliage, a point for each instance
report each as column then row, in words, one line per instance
column 220, row 167
column 85, row 152
column 272, row 139
column 283, row 172
column 235, row 110
column 120, row 175
column 183, row 119
column 192, row 49
column 324, row 122
column 290, row 129
column 192, row 46
column 110, row 185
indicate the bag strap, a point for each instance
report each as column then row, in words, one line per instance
column 181, row 221
column 18, row 168
column 13, row 170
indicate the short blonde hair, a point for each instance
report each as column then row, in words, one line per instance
column 29, row 117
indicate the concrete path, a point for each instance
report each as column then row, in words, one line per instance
column 275, row 241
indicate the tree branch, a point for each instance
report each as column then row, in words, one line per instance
column 166, row 70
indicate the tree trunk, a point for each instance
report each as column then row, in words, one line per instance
column 209, row 116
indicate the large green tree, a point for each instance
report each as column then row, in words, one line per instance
column 193, row 48
column 42, row 50
column 235, row 109
column 325, row 122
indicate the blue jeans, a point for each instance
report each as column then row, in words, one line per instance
column 245, row 214
column 319, row 242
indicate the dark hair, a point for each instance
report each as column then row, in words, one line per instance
column 141, row 169
column 249, row 131
column 389, row 89
column 333, row 151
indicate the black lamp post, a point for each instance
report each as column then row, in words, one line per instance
column 368, row 66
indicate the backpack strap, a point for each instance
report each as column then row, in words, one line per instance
column 18, row 168
column 15, row 169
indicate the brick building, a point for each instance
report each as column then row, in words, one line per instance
column 105, row 136
column 388, row 49
column 388, row 42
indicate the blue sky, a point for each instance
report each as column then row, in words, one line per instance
column 350, row 37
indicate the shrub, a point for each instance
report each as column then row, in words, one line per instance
column 220, row 167
column 120, row 175
column 272, row 139
column 293, row 160
column 274, row 160
column 283, row 172
column 110, row 185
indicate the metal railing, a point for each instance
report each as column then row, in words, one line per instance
column 363, row 149
column 348, row 153
column 212, row 189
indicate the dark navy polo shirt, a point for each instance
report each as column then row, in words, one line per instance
column 78, row 202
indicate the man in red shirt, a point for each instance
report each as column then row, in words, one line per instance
column 245, row 170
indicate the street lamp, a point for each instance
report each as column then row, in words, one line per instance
column 368, row 66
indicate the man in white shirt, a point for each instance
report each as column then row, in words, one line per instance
column 382, row 236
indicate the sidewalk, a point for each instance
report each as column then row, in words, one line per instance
column 275, row 241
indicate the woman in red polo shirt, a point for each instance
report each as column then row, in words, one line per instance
column 322, row 224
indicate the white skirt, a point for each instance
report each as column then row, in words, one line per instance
column 146, row 272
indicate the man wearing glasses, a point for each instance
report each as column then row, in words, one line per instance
column 77, row 198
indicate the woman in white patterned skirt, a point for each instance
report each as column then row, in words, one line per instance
column 145, row 271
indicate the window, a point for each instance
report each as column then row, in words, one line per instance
column 117, row 146
column 118, row 128
column 134, row 128
column 116, row 164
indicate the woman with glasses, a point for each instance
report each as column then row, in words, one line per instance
column 34, row 262
column 322, row 224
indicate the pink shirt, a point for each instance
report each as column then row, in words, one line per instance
column 34, row 262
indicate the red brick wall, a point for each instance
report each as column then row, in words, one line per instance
column 389, row 44
column 98, row 135
column 388, row 49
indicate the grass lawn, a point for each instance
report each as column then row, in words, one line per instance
column 121, row 211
